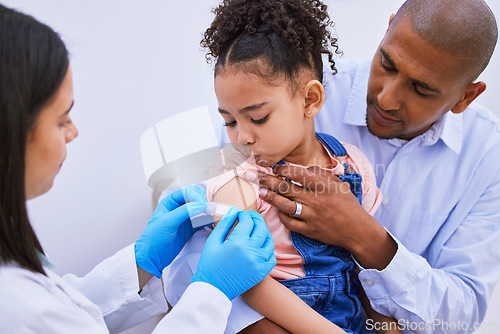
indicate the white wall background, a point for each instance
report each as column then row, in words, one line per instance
column 135, row 63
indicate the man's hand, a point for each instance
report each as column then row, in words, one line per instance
column 330, row 212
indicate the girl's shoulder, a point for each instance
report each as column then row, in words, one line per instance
column 226, row 181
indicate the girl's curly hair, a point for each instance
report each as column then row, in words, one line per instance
column 288, row 34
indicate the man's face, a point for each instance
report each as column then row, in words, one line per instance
column 412, row 84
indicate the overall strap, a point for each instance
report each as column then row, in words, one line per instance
column 281, row 162
column 332, row 144
column 336, row 148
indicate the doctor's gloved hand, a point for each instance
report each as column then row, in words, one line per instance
column 236, row 264
column 169, row 229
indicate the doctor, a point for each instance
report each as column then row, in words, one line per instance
column 36, row 96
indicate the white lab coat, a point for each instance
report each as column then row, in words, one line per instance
column 103, row 301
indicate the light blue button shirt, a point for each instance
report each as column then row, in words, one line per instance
column 441, row 203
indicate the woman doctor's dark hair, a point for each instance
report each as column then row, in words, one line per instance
column 33, row 63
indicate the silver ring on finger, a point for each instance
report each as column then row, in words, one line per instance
column 298, row 209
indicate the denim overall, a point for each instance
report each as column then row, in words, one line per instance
column 330, row 285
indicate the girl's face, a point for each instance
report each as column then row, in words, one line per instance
column 262, row 115
column 46, row 143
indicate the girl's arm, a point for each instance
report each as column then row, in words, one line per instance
column 270, row 298
column 280, row 305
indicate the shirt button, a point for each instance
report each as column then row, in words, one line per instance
column 385, row 200
column 369, row 282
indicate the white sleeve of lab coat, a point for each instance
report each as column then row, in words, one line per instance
column 113, row 286
column 201, row 309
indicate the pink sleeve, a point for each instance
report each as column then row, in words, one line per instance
column 372, row 196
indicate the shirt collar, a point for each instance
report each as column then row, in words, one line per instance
column 355, row 113
column 449, row 128
column 453, row 131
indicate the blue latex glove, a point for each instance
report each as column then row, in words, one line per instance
column 169, row 229
column 236, row 264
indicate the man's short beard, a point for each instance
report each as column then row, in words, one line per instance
column 390, row 136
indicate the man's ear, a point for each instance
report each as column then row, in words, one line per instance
column 390, row 20
column 471, row 92
column 314, row 97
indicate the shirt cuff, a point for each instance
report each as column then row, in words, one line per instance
column 122, row 306
column 151, row 292
column 148, row 303
column 393, row 279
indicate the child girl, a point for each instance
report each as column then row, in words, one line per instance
column 268, row 76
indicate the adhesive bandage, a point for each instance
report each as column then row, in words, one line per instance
column 212, row 210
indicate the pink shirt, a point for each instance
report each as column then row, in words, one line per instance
column 289, row 260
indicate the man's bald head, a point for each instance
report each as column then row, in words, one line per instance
column 466, row 28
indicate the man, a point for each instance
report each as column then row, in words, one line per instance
column 429, row 257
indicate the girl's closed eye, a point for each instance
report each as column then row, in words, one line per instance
column 233, row 123
column 255, row 121
column 261, row 120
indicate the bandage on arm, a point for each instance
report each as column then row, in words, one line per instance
column 213, row 213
